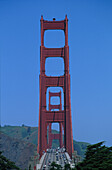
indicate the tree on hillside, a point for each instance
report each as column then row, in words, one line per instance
column 55, row 166
column 5, row 164
column 97, row 156
column 67, row 167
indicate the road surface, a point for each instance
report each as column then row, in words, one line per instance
column 55, row 155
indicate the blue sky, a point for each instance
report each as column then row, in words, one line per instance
column 90, row 51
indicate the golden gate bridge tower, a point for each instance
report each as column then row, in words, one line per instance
column 47, row 117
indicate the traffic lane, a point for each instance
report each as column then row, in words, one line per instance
column 53, row 156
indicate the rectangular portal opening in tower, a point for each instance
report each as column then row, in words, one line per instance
column 54, row 66
column 55, row 128
column 54, row 38
column 54, row 100
column 55, row 143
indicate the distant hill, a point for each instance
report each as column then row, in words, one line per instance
column 27, row 136
column 16, row 150
column 26, row 133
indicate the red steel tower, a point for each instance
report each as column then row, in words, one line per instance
column 47, row 117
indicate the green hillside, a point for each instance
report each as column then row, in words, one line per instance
column 23, row 132
column 30, row 134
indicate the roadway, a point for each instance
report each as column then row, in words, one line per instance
column 55, row 155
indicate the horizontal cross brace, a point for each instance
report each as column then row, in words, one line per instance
column 53, row 52
column 54, row 136
column 54, row 107
column 55, row 116
column 55, row 81
column 51, row 94
column 54, row 25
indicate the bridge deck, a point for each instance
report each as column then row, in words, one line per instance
column 58, row 156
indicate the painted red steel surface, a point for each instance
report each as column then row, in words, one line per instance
column 47, row 117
